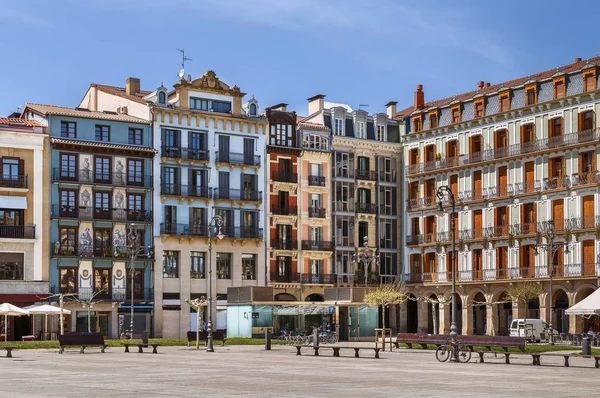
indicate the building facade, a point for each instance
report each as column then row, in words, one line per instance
column 520, row 158
column 24, row 156
column 212, row 162
column 101, row 187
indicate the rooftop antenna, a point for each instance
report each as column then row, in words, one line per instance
column 183, row 59
column 361, row 105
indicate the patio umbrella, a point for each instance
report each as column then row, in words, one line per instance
column 7, row 310
column 45, row 309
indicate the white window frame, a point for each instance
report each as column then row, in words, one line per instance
column 339, row 127
column 360, row 130
column 381, row 132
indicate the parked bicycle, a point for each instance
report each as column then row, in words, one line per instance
column 328, row 337
column 458, row 350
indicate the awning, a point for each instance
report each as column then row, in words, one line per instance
column 13, row 202
column 588, row 306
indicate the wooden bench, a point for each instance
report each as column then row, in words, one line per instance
column 217, row 335
column 9, row 351
column 82, row 340
column 420, row 338
column 142, row 346
column 336, row 350
column 536, row 358
column 504, row 342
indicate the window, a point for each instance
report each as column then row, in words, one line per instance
column 252, row 110
column 102, row 133
column 199, row 104
column 10, row 218
column 170, row 264
column 316, row 270
column 360, row 130
column 135, row 206
column 589, row 81
column 162, row 98
column 479, row 108
column 68, row 240
column 68, row 203
column 170, row 181
column 102, row 242
column 281, row 134
column 68, row 129
column 311, row 141
column 135, row 172
column 11, row 266
column 249, row 266
column 219, row 106
column 530, row 96
column 381, row 133
column 559, row 87
column 102, row 169
column 586, row 120
column 339, row 127
column 223, row 265
column 197, row 265
column 504, row 99
column 363, row 232
column 198, row 221
column 102, row 282
column 135, row 136
column 555, row 127
column 344, row 234
column 363, row 163
column 433, row 120
column 68, row 166
column 102, row 205
column 417, row 123
column 455, row 114
column 68, row 280
column 170, row 138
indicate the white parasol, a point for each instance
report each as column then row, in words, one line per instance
column 45, row 309
column 7, row 310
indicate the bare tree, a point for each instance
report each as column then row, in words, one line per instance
column 384, row 296
column 523, row 293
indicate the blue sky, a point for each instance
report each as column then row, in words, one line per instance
column 356, row 52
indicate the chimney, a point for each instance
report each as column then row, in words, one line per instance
column 132, row 85
column 487, row 84
column 480, row 84
column 577, row 59
column 280, row 107
column 316, row 103
column 419, row 97
column 391, row 109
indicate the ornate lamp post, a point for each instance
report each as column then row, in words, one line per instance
column 547, row 230
column 218, row 220
column 366, row 256
column 441, row 194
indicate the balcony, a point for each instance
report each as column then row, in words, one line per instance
column 554, row 183
column 114, row 294
column 284, row 244
column 237, row 158
column 192, row 191
column 184, row 153
column 248, row 233
column 17, row 231
column 183, row 229
column 421, row 203
column 106, row 252
column 317, row 279
column 292, row 277
column 316, row 212
column 528, row 228
column 85, row 176
column 13, row 181
column 284, row 176
column 91, row 213
column 317, row 245
column 581, row 179
column 522, row 273
column 367, row 175
column 582, row 223
column 539, row 145
column 317, row 181
column 284, row 210
column 237, row 194
column 366, row 208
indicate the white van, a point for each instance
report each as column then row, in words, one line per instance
column 529, row 328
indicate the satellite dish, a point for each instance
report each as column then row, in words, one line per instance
column 181, row 74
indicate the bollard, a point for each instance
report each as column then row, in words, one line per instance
column 315, row 337
column 586, row 346
column 267, row 339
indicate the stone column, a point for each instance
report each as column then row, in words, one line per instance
column 545, row 307
column 574, row 320
column 518, row 310
column 444, row 318
column 422, row 316
column 467, row 315
column 403, row 312
column 491, row 317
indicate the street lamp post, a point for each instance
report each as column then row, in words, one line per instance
column 218, row 220
column 366, row 256
column 133, row 249
column 548, row 230
column 441, row 194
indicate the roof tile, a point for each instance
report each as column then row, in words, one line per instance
column 120, row 92
column 64, row 111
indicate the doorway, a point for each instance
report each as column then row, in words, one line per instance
column 343, row 331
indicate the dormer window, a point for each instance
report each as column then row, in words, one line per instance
column 589, row 80
column 530, row 94
column 479, row 108
column 455, row 110
column 504, row 99
column 381, row 133
column 433, row 119
column 360, row 129
column 559, row 87
column 252, row 110
column 162, row 98
column 418, row 123
column 339, row 127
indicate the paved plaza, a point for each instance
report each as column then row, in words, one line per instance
column 251, row 371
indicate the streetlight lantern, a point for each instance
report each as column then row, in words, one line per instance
column 218, row 220
column 443, row 192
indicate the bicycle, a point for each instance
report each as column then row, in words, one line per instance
column 459, row 351
column 328, row 337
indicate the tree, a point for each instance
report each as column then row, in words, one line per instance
column 523, row 293
column 384, row 296
column 435, row 302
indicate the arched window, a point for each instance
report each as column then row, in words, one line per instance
column 162, row 98
column 252, row 110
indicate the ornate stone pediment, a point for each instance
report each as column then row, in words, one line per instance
column 209, row 82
